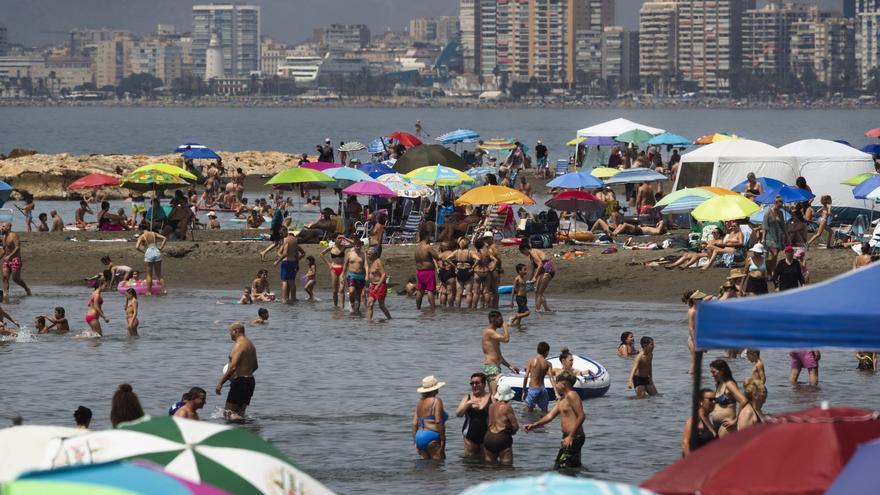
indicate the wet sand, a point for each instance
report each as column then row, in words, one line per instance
column 220, row 260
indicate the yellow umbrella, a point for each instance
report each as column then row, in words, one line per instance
column 604, row 172
column 167, row 169
column 493, row 195
column 858, row 179
column 438, row 175
column 498, row 144
column 714, row 138
column 576, row 141
column 725, row 207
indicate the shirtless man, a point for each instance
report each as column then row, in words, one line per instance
column 536, row 370
column 355, row 273
column 80, row 215
column 644, row 199
column 426, row 265
column 289, row 255
column 11, row 260
column 57, row 222
column 239, row 373
column 491, row 342
column 641, row 375
column 195, row 400
column 570, row 407
column 378, row 283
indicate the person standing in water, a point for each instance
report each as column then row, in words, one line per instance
column 426, row 268
column 475, row 409
column 289, row 255
column 239, row 373
column 641, row 376
column 519, row 294
column 95, row 310
column 131, row 312
column 429, row 421
column 152, row 244
column 569, row 406
column 355, row 269
column 498, row 442
column 337, row 261
column 536, row 370
column 491, row 342
column 193, row 401
column 11, row 260
column 378, row 283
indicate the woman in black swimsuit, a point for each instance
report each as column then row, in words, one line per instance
column 498, row 442
column 446, row 274
column 483, row 269
column 475, row 409
column 464, row 260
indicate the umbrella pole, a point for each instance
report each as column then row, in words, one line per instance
column 695, row 398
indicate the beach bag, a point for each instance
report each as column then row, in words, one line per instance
column 540, row 241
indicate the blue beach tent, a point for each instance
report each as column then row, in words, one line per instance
column 840, row 312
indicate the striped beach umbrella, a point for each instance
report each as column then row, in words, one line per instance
column 233, row 459
column 352, row 146
column 438, row 175
column 379, row 145
column 498, row 144
column 458, row 136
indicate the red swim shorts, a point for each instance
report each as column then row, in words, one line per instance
column 426, row 280
column 13, row 264
column 378, row 291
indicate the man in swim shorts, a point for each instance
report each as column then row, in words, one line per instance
column 570, row 407
column 355, row 273
column 801, row 360
column 426, row 268
column 11, row 260
column 289, row 255
column 239, row 373
column 491, row 343
column 533, row 381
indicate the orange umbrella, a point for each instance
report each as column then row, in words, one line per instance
column 714, row 138
column 718, row 190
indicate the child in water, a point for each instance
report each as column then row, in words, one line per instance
column 518, row 294
column 263, row 317
column 641, row 377
column 40, row 324
column 309, row 278
column 246, row 296
column 754, row 356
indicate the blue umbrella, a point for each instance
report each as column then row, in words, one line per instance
column 5, row 192
column 758, row 216
column 375, row 170
column 860, row 473
column 670, row 139
column 186, row 146
column 844, row 141
column 684, row 204
column 863, row 190
column 201, row 154
column 458, row 136
column 599, row 141
column 873, row 149
column 789, row 195
column 766, row 182
column 554, row 484
column 376, row 145
column 576, row 180
column 635, row 175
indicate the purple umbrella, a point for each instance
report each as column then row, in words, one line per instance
column 599, row 141
column 369, row 189
column 319, row 166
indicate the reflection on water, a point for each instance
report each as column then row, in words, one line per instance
column 337, row 394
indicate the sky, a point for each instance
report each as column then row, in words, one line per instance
column 36, row 22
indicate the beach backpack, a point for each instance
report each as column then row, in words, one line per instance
column 540, row 241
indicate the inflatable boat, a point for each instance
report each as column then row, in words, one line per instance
column 587, row 385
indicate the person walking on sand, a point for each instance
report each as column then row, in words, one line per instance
column 491, row 342
column 569, row 406
column 378, row 283
column 239, row 372
column 641, row 376
column 289, row 255
column 11, row 260
column 536, row 370
column 131, row 312
column 152, row 244
column 355, row 274
column 498, row 442
column 426, row 270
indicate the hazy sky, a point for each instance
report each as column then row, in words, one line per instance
column 43, row 21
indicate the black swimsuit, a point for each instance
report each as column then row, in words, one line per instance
column 476, row 423
column 463, row 270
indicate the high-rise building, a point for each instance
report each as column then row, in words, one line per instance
column 469, row 22
column 766, row 36
column 340, row 38
column 439, row 30
column 112, row 61
column 448, row 29
column 547, row 34
column 612, row 55
column 237, row 29
column 4, row 40
column 586, row 21
column 710, row 42
column 629, row 62
column 84, row 42
column 488, row 36
column 867, row 18
column 823, row 44
column 156, row 57
column 658, row 48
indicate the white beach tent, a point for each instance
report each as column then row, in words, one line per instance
column 726, row 164
column 824, row 164
column 616, row 127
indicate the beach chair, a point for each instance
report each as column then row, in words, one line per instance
column 561, row 167
column 731, row 260
column 409, row 231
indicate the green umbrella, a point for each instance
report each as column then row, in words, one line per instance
column 635, row 136
column 428, row 154
column 232, row 459
column 858, row 179
column 299, row 175
column 152, row 180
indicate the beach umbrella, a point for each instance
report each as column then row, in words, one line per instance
column 152, row 180
column 403, row 187
column 766, row 182
column 869, row 189
column 111, row 478
column 167, row 169
column 5, row 192
column 795, row 453
column 714, row 138
column 789, row 194
column 188, row 146
column 429, row 154
column 635, row 175
column 375, row 170
column 493, row 195
column 347, row 174
column 31, row 442
column 858, row 179
column 94, row 181
column 604, row 172
column 379, row 145
column 498, row 144
column 299, row 175
column 553, row 484
column 701, row 192
column 860, row 473
column 480, row 172
column 319, row 166
column 202, row 153
column 405, row 139
column 233, row 459
column 458, row 136
column 670, row 139
column 683, row 204
column 635, row 136
column 351, row 147
column 725, row 207
column 576, row 180
column 597, row 141
column 576, row 201
column 369, row 188
column 718, row 190
column 438, row 175
column 844, row 141
column 758, row 217
column 873, row 149
column 874, row 133
column 576, row 141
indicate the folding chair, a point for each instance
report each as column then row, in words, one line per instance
column 409, row 230
column 561, row 167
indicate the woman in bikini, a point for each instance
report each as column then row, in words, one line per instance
column 336, row 263
column 825, row 218
column 483, row 269
column 464, row 260
column 152, row 244
column 131, row 312
column 446, row 274
column 94, row 312
column 727, row 396
column 731, row 242
column 750, row 413
column 753, row 188
column 687, row 260
column 429, row 421
column 475, row 409
column 756, row 282
column 543, row 272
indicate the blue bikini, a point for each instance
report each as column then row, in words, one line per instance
column 424, row 437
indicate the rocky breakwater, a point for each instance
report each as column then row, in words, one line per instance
column 47, row 176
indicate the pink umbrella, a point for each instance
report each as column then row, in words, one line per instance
column 369, row 189
column 319, row 166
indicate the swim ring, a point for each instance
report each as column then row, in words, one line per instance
column 140, row 287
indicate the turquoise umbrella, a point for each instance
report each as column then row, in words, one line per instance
column 554, row 484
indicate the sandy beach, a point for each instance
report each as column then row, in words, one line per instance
column 221, row 260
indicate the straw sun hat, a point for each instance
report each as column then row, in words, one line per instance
column 429, row 384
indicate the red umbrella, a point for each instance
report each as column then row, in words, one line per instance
column 874, row 133
column 576, row 201
column 796, row 453
column 405, row 138
column 320, row 166
column 94, row 181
